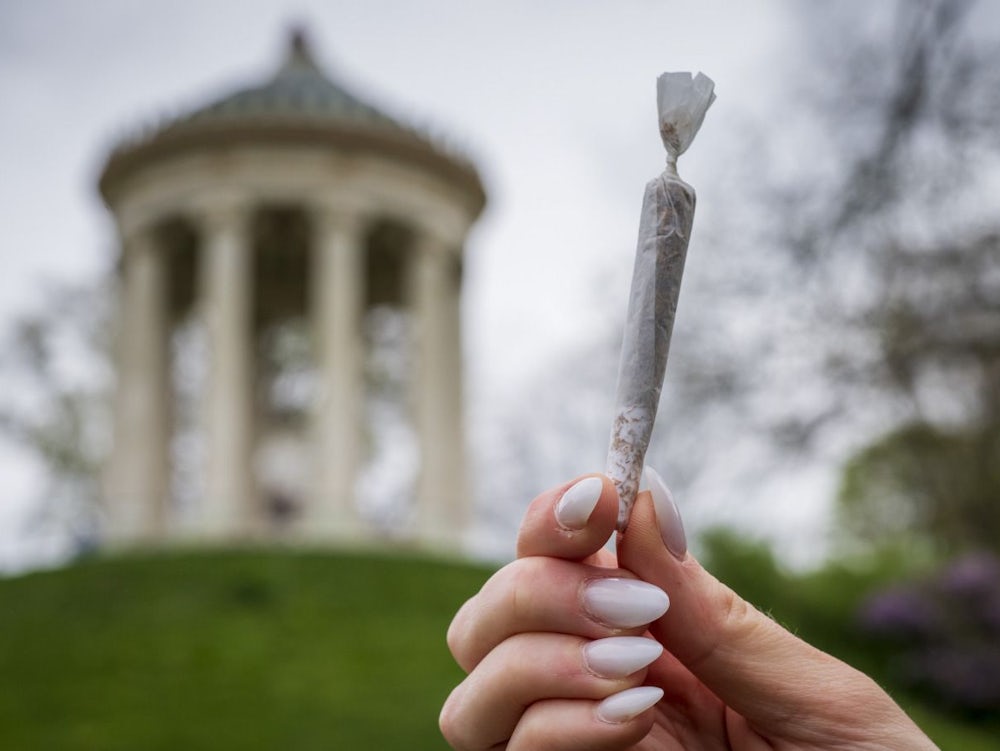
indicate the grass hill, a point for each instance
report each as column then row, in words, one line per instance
column 295, row 651
column 229, row 650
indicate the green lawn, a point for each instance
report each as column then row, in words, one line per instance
column 233, row 650
column 245, row 650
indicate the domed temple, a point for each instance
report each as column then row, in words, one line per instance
column 288, row 348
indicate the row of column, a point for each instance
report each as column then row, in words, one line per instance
column 139, row 482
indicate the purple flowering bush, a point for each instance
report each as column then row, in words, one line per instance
column 942, row 633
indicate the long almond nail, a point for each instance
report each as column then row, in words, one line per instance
column 620, row 656
column 578, row 503
column 624, row 603
column 668, row 517
column 625, row 705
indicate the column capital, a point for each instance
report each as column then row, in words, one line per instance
column 446, row 229
column 224, row 211
column 133, row 233
column 438, row 258
column 438, row 241
column 331, row 213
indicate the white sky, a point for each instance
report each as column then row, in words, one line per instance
column 554, row 100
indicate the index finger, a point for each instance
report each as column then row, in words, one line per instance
column 571, row 521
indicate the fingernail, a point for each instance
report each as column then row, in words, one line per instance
column 625, row 705
column 620, row 656
column 624, row 603
column 578, row 503
column 667, row 515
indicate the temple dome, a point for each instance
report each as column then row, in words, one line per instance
column 298, row 90
column 298, row 104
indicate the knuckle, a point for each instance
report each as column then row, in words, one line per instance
column 517, row 592
column 519, row 585
column 511, row 591
column 455, row 636
column 468, row 634
column 465, row 635
column 447, row 723
column 731, row 618
column 742, row 624
column 450, row 722
column 733, row 611
column 463, row 624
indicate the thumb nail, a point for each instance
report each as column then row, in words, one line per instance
column 667, row 515
column 578, row 503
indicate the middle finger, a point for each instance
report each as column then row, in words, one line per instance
column 552, row 595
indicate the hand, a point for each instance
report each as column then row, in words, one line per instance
column 568, row 648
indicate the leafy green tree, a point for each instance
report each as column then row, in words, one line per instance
column 922, row 483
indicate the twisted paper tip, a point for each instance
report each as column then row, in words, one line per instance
column 682, row 101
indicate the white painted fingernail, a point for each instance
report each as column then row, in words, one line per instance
column 620, row 656
column 625, row 705
column 668, row 516
column 578, row 503
column 624, row 603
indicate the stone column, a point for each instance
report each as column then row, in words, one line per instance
column 230, row 502
column 442, row 499
column 338, row 301
column 139, row 477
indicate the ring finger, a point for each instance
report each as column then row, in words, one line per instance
column 484, row 710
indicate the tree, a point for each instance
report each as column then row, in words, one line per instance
column 56, row 374
column 925, row 483
column 898, row 250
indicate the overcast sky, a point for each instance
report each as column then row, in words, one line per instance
column 554, row 101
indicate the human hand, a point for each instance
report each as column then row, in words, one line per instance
column 563, row 649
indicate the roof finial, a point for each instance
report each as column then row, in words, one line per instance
column 299, row 53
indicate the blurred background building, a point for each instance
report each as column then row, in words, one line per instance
column 289, row 282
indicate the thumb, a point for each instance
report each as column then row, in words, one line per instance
column 750, row 662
